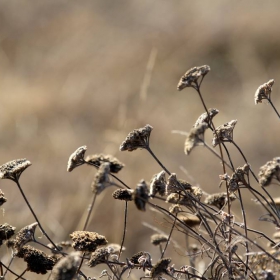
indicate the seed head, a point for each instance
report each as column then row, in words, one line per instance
column 157, row 239
column 99, row 256
column 87, row 241
column 37, row 261
column 77, row 158
column 224, row 133
column 218, row 199
column 158, row 184
column 195, row 137
column 123, row 194
column 160, row 267
column 269, row 171
column 190, row 220
column 3, row 199
column 13, row 169
column 66, row 267
column 135, row 258
column 176, row 185
column 141, row 195
column 191, row 76
column 204, row 117
column 101, row 179
column 97, row 160
column 175, row 209
column 264, row 91
column 138, row 138
column 6, row 232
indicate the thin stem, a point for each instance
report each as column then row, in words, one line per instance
column 124, row 229
column 90, row 211
column 81, row 263
column 19, row 277
column 270, row 102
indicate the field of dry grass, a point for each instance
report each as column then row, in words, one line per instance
column 76, row 73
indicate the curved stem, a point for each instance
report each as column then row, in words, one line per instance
column 89, row 211
column 124, row 230
column 270, row 102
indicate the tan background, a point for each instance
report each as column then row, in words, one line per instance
column 72, row 73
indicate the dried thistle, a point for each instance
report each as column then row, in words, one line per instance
column 97, row 160
column 37, row 261
column 13, row 169
column 138, row 138
column 160, row 267
column 218, row 199
column 87, row 241
column 191, row 76
column 24, row 236
column 224, row 133
column 190, row 220
column 123, row 194
column 101, row 179
column 3, row 199
column 77, row 158
column 66, row 267
column 99, row 256
column 158, row 184
column 204, row 118
column 157, row 239
column 195, row 137
column 269, row 171
column 6, row 232
column 141, row 195
column 264, row 91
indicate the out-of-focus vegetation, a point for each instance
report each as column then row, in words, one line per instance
column 76, row 73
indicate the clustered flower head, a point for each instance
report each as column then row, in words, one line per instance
column 6, row 232
column 190, row 220
column 158, row 184
column 264, row 91
column 224, row 133
column 218, row 199
column 141, row 195
column 269, row 171
column 176, row 185
column 123, row 194
column 138, row 138
column 101, row 179
column 87, row 241
column 157, row 239
column 97, row 160
column 204, row 118
column 195, row 137
column 13, row 169
column 160, row 267
column 101, row 255
column 191, row 76
column 77, row 158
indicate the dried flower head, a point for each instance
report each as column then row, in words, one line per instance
column 138, row 138
column 101, row 255
column 158, row 184
column 160, row 267
column 77, row 158
column 218, row 199
column 101, row 179
column 3, row 199
column 37, row 261
column 135, row 258
column 123, row 194
column 24, row 236
column 191, row 76
column 97, row 160
column 87, row 241
column 114, row 248
column 157, row 239
column 224, row 133
column 190, row 220
column 264, row 91
column 178, row 198
column 141, row 195
column 175, row 209
column 6, row 232
column 195, row 137
column 269, row 171
column 204, row 118
column 66, row 267
column 13, row 169
column 176, row 185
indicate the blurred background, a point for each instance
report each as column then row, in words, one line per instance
column 79, row 73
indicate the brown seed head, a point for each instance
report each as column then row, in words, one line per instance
column 123, row 194
column 3, row 199
column 101, row 255
column 190, row 220
column 6, row 232
column 175, row 209
column 264, row 91
column 204, row 117
column 37, row 261
column 191, row 76
column 87, row 241
column 66, row 267
column 138, row 138
column 157, row 239
column 13, row 169
column 269, row 171
column 97, row 160
column 218, row 199
column 77, row 158
column 135, row 258
column 224, row 133
column 141, row 195
column 160, row 267
column 101, row 179
column 158, row 184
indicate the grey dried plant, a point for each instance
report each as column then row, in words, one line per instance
column 157, row 239
column 102, row 179
column 123, row 194
column 218, row 199
column 160, row 268
column 6, row 232
column 204, row 118
column 195, row 137
column 269, row 171
column 138, row 138
column 13, row 169
column 158, row 184
column 224, row 133
column 101, row 255
column 141, row 195
column 77, row 158
column 264, row 91
column 176, row 185
column 190, row 78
